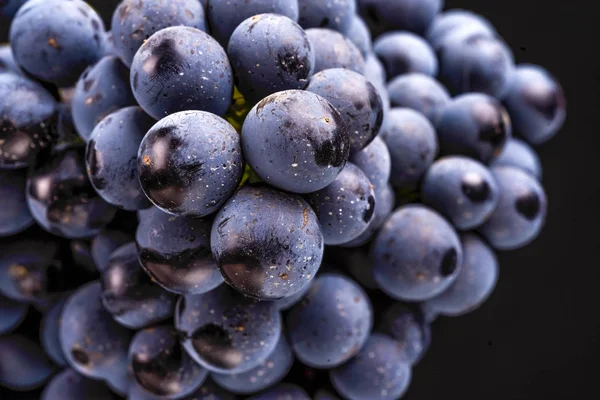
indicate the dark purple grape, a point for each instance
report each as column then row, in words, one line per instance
column 474, row 125
column 355, row 98
column 63, row 201
column 101, row 90
column 56, row 40
column 23, row 364
column 93, row 343
column 267, row 243
column 292, row 152
column 134, row 21
column 190, row 163
column 111, row 158
column 175, row 252
column 461, row 189
column 334, row 50
column 160, row 366
column 181, row 68
column 270, row 53
column 27, row 118
column 226, row 332
column 130, row 295
column 345, row 208
column 403, row 53
column 536, row 103
column 331, row 324
column 417, row 254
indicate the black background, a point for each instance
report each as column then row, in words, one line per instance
column 537, row 336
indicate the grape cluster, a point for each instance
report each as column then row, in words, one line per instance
column 216, row 199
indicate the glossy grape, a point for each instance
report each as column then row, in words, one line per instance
column 190, row 163
column 175, row 252
column 226, row 332
column 267, row 243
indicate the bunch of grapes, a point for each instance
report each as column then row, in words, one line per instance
column 227, row 198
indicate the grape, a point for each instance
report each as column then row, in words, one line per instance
column 449, row 21
column 377, row 372
column 175, row 252
column 474, row 125
column 62, row 200
column 536, row 103
column 69, row 385
column 407, row 326
column 336, row 15
column 417, row 254
column 284, row 391
column 267, row 243
column 14, row 214
column 419, row 92
column 28, row 276
column 345, row 208
column 290, row 151
column 517, row 153
column 181, row 68
column 226, row 332
column 331, row 323
column 359, row 34
column 161, row 366
column 474, row 283
column 12, row 313
column 404, row 52
column 190, row 163
column 272, row 370
column 50, row 332
column 104, row 243
column 23, row 365
column 129, row 294
column 476, row 63
column 461, row 189
column 111, row 157
column 100, row 90
column 225, row 16
column 521, row 211
column 7, row 60
column 413, row 145
column 82, row 256
column 134, row 21
column 384, row 205
column 376, row 163
column 93, row 343
column 334, row 50
column 56, row 40
column 270, row 53
column 357, row 262
column 27, row 115
column 355, row 98
column 409, row 15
